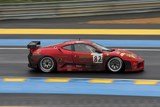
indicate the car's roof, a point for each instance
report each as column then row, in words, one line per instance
column 77, row 41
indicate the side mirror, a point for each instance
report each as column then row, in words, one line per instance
column 98, row 51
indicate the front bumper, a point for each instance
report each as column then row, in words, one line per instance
column 135, row 66
column 139, row 66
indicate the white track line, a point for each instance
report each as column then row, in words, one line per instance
column 142, row 49
column 8, row 48
column 150, row 50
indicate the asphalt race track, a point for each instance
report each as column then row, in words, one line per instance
column 47, row 100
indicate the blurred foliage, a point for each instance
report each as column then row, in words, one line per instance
column 24, row 1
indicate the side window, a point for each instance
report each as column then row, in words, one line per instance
column 84, row 48
column 68, row 47
column 92, row 49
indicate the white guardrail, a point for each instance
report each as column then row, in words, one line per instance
column 74, row 8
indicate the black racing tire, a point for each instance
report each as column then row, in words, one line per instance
column 47, row 64
column 115, row 65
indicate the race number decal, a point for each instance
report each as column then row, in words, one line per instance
column 97, row 58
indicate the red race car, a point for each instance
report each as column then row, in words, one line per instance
column 82, row 55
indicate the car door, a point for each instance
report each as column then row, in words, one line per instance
column 67, row 54
column 85, row 56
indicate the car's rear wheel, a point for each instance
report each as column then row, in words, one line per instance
column 115, row 64
column 47, row 64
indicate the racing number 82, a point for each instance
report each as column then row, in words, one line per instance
column 97, row 59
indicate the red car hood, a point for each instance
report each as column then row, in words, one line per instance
column 117, row 50
column 124, row 53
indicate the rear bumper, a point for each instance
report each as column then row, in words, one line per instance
column 33, row 61
column 32, row 66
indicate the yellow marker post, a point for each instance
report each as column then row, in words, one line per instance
column 13, row 79
column 101, row 81
column 146, row 82
column 57, row 80
column 125, row 32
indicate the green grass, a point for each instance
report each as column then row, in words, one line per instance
column 24, row 1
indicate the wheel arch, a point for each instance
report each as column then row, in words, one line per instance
column 106, row 62
column 54, row 59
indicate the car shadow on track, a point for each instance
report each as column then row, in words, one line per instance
column 84, row 74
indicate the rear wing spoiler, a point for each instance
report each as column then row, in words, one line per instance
column 34, row 44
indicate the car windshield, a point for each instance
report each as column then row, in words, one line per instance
column 101, row 47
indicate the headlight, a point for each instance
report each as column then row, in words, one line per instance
column 131, row 55
column 128, row 55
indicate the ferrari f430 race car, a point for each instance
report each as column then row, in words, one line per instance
column 82, row 55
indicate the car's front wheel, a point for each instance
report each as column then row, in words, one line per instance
column 115, row 64
column 47, row 64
